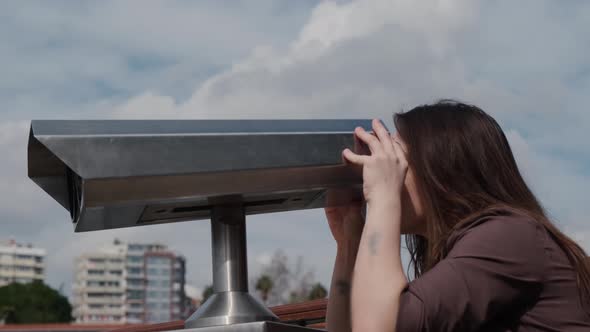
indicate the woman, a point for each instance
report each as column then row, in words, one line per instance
column 485, row 256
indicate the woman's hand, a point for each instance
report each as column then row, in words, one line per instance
column 346, row 222
column 378, row 273
column 385, row 169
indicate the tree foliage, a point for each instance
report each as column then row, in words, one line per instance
column 291, row 281
column 318, row 291
column 207, row 292
column 264, row 285
column 33, row 303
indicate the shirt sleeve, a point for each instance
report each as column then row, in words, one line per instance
column 493, row 271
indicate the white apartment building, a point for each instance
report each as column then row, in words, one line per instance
column 20, row 263
column 129, row 283
column 98, row 289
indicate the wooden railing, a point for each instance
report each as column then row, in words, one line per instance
column 310, row 313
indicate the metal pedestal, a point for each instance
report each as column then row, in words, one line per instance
column 254, row 327
column 231, row 303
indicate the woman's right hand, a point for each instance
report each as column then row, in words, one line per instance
column 346, row 222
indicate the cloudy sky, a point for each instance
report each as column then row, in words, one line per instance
column 527, row 65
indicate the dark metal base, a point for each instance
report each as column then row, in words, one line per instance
column 253, row 327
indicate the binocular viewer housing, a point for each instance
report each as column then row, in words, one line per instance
column 113, row 173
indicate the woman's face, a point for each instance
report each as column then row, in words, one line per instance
column 412, row 208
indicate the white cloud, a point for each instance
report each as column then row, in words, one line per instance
column 19, row 196
column 371, row 58
column 559, row 185
column 350, row 59
column 356, row 59
column 193, row 292
column 58, row 57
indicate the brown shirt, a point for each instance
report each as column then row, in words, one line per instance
column 503, row 273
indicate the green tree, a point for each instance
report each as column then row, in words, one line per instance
column 291, row 279
column 294, row 297
column 317, row 292
column 207, row 292
column 33, row 303
column 264, row 286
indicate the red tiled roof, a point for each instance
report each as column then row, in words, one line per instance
column 167, row 326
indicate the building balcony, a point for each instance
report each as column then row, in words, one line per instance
column 134, row 300
column 106, row 289
column 28, row 263
column 102, row 289
column 26, row 274
column 139, row 275
column 134, row 309
column 99, row 311
column 134, row 263
column 100, row 300
column 98, row 277
column 135, row 286
column 85, row 265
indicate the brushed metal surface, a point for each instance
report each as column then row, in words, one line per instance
column 231, row 303
column 125, row 173
column 228, row 245
column 229, row 308
column 254, row 327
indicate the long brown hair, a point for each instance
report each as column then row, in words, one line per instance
column 464, row 168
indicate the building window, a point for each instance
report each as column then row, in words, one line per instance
column 134, row 282
column 104, row 295
column 134, row 295
column 153, row 283
column 158, row 260
column 134, row 259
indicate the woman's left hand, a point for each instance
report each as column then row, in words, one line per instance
column 384, row 171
